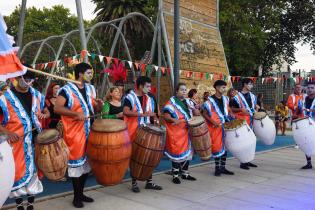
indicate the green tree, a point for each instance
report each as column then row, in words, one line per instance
column 137, row 30
column 41, row 23
column 262, row 32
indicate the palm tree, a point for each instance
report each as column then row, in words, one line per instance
column 112, row 9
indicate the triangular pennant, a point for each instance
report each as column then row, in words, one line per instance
column 207, row 76
column 93, row 55
column 58, row 63
column 156, row 67
column 168, row 70
column 221, row 76
column 108, row 59
column 137, row 66
column 262, row 80
column 275, row 79
column 211, row 76
column 180, row 72
column 163, row 69
column 83, row 53
column 101, row 58
column 143, row 67
column 130, row 64
column 233, row 78
column 45, row 66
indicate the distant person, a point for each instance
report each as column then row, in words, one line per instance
column 282, row 113
column 193, row 98
column 260, row 102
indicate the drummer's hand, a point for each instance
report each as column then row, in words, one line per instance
column 41, row 116
column 176, row 122
column 12, row 137
column 244, row 111
column 216, row 125
column 80, row 117
column 150, row 114
column 120, row 115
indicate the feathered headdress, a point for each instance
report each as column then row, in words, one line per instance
column 117, row 72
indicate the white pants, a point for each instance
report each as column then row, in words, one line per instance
column 32, row 188
column 79, row 171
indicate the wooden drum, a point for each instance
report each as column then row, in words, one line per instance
column 109, row 151
column 200, row 137
column 147, row 151
column 51, row 154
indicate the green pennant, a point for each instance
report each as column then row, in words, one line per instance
column 93, row 55
column 224, row 77
column 207, row 76
column 148, row 69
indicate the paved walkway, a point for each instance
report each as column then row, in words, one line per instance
column 277, row 183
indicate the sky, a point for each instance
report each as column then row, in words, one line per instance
column 304, row 56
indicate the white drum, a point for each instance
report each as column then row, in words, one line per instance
column 264, row 128
column 303, row 134
column 240, row 140
column 7, row 167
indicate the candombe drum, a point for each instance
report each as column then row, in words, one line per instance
column 109, row 151
column 147, row 151
column 200, row 137
column 240, row 140
column 303, row 134
column 7, row 169
column 264, row 128
column 51, row 154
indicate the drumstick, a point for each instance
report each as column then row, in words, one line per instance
column 27, row 133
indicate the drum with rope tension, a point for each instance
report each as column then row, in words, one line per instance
column 264, row 128
column 303, row 134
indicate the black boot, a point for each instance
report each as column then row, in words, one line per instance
column 77, row 202
column 19, row 203
column 176, row 172
column 84, row 198
column 225, row 171
column 251, row 165
column 185, row 173
column 134, row 186
column 30, row 202
column 309, row 163
column 217, row 171
column 244, row 166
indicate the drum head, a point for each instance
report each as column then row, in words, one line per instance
column 153, row 129
column 108, row 125
column 3, row 137
column 260, row 115
column 195, row 121
column 299, row 119
column 48, row 136
column 234, row 124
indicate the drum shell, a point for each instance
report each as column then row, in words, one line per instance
column 147, row 151
column 265, row 130
column 201, row 140
column 109, row 155
column 241, row 142
column 303, row 135
column 7, row 172
column 52, row 159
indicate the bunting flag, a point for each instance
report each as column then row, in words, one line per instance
column 101, row 58
column 147, row 68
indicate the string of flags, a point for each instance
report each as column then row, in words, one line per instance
column 165, row 70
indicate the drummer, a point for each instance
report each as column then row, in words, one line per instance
column 216, row 111
column 177, row 112
column 140, row 109
column 75, row 103
column 293, row 101
column 20, row 111
column 244, row 105
column 307, row 109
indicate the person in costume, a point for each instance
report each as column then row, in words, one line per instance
column 307, row 109
column 140, row 109
column 21, row 109
column 75, row 103
column 293, row 101
column 244, row 105
column 282, row 114
column 216, row 111
column 177, row 112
